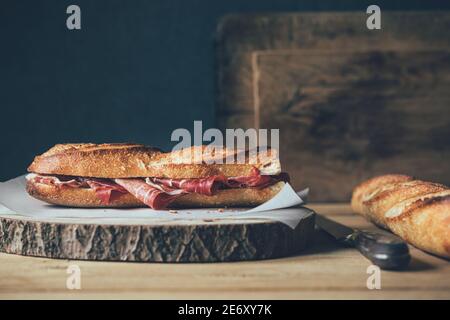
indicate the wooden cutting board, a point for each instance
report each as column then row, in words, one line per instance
column 154, row 241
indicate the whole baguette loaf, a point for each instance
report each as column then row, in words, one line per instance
column 417, row 211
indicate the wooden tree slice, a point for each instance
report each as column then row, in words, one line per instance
column 155, row 241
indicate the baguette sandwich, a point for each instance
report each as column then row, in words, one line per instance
column 134, row 175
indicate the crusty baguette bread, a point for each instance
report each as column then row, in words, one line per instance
column 366, row 189
column 134, row 160
column 85, row 197
column 417, row 211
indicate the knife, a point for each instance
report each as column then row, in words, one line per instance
column 384, row 250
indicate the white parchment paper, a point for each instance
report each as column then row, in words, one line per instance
column 284, row 207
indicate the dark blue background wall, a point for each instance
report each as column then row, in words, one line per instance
column 136, row 71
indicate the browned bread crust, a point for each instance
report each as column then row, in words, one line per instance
column 367, row 187
column 418, row 211
column 135, row 160
column 94, row 160
column 426, row 224
column 85, row 197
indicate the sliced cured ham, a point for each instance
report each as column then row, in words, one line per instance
column 56, row 181
column 255, row 180
column 153, row 196
column 158, row 193
column 105, row 190
column 207, row 186
column 210, row 185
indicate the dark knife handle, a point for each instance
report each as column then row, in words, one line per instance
column 386, row 251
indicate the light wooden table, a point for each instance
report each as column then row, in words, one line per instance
column 324, row 271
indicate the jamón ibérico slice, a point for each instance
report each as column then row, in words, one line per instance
column 154, row 197
column 210, row 185
column 207, row 186
column 256, row 180
column 105, row 190
column 58, row 181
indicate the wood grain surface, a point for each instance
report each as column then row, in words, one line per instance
column 202, row 240
column 350, row 103
column 324, row 271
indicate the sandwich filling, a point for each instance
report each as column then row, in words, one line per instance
column 158, row 193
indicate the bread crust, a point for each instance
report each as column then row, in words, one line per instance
column 86, row 197
column 134, row 160
column 94, row 160
column 369, row 186
column 382, row 200
column 426, row 224
column 417, row 211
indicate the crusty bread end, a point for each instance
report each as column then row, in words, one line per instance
column 417, row 211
